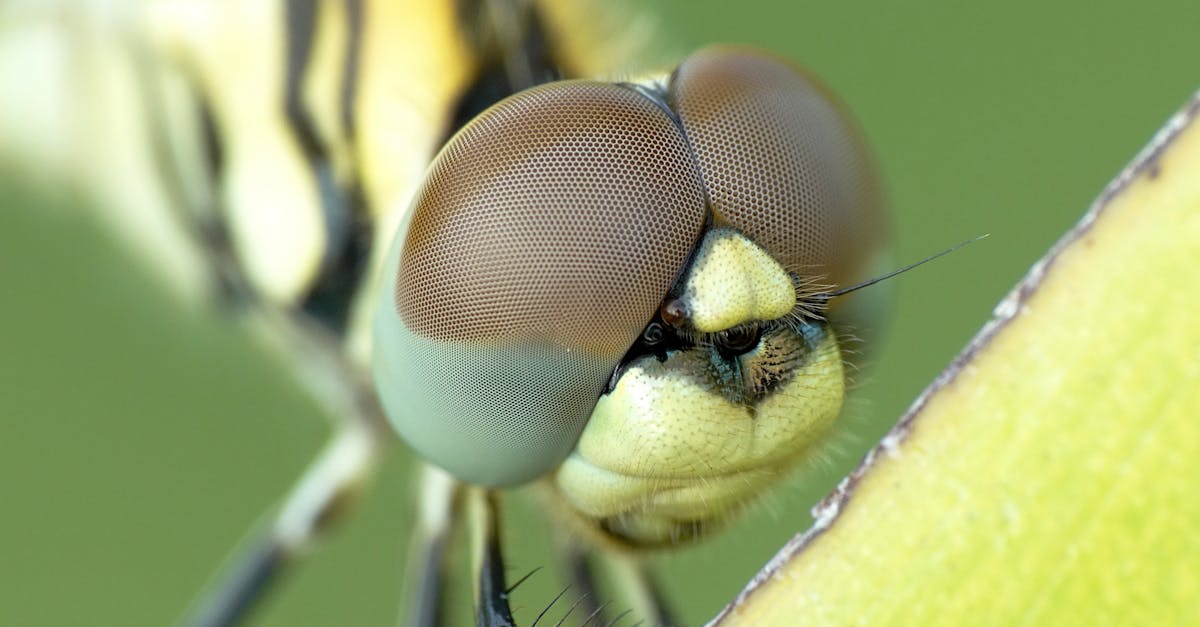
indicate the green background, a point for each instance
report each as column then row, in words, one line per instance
column 139, row 441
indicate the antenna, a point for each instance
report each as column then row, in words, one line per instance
column 870, row 282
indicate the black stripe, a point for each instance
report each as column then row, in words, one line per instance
column 530, row 52
column 301, row 18
column 214, row 150
column 354, row 18
column 233, row 290
column 347, row 227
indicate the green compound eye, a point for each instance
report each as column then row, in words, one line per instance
column 550, row 231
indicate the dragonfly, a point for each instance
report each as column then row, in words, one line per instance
column 283, row 166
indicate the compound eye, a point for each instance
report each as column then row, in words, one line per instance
column 783, row 162
column 545, row 236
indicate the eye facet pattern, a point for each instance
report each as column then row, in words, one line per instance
column 543, row 240
column 782, row 161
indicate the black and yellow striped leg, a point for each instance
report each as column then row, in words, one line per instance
column 638, row 586
column 259, row 562
column 491, row 593
column 641, row 600
column 440, row 496
column 262, row 561
column 584, row 593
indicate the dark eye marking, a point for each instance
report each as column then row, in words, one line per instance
column 654, row 334
column 737, row 340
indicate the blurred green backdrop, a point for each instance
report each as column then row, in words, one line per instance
column 138, row 441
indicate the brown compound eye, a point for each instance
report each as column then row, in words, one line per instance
column 782, row 162
column 543, row 240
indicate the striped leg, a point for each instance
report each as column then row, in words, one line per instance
column 491, row 593
column 636, row 584
column 424, row 577
column 260, row 562
column 325, row 489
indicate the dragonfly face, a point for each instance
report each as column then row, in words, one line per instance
column 620, row 286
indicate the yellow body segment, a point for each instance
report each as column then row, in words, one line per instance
column 408, row 123
column 268, row 187
column 735, row 281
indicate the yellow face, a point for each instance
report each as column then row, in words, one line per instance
column 688, row 436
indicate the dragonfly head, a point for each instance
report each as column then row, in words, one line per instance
column 617, row 286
